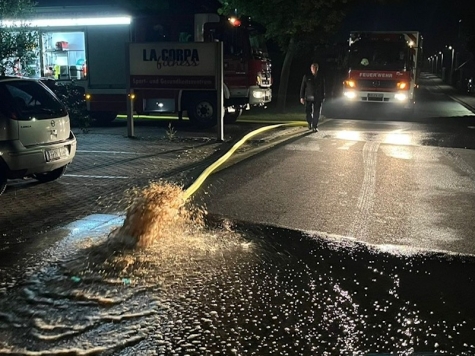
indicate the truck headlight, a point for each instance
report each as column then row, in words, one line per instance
column 258, row 94
column 400, row 96
column 350, row 94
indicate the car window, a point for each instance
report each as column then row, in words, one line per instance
column 31, row 100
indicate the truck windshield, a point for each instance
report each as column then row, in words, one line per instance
column 258, row 45
column 237, row 41
column 378, row 56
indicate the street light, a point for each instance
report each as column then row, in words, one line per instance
column 441, row 64
column 432, row 64
column 451, row 77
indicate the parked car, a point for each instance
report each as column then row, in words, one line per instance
column 35, row 136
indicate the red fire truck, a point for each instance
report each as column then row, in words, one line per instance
column 87, row 45
column 247, row 70
column 383, row 67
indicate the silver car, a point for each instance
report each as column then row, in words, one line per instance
column 35, row 136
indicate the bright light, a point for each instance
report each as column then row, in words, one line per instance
column 234, row 21
column 411, row 43
column 400, row 96
column 88, row 96
column 86, row 21
column 350, row 94
column 398, row 139
column 348, row 135
column 402, row 85
column 258, row 94
column 160, row 105
column 350, row 83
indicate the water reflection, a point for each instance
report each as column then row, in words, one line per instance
column 348, row 135
column 397, row 138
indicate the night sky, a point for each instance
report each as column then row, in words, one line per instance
column 437, row 20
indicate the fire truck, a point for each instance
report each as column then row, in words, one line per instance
column 383, row 67
column 247, row 69
column 87, row 45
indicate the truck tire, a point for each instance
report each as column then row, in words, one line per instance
column 231, row 117
column 202, row 111
column 103, row 117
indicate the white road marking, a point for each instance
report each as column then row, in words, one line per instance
column 109, row 152
column 92, row 176
column 365, row 204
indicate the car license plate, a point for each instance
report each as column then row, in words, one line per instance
column 57, row 153
column 375, row 96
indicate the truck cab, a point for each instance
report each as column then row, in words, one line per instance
column 383, row 67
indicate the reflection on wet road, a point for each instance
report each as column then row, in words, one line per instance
column 239, row 289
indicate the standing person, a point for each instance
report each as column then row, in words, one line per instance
column 312, row 95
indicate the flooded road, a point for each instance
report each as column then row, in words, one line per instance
column 237, row 289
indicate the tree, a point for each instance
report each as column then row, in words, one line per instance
column 148, row 7
column 293, row 25
column 18, row 41
column 467, row 26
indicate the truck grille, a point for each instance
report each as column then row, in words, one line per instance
column 377, row 84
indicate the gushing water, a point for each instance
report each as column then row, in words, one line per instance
column 156, row 212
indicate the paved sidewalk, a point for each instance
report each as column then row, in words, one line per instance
column 466, row 100
column 156, row 148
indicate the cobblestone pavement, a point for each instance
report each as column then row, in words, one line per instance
column 106, row 166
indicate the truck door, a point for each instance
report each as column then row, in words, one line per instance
column 106, row 56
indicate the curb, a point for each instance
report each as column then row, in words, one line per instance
column 463, row 103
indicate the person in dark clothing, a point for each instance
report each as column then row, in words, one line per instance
column 312, row 95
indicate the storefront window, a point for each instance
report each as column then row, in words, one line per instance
column 64, row 55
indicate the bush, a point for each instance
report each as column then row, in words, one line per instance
column 74, row 99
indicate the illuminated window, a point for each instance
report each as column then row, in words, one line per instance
column 64, row 55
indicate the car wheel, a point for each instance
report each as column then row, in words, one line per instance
column 202, row 111
column 3, row 183
column 50, row 176
column 231, row 117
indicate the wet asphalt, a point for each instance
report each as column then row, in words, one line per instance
column 260, row 290
column 234, row 288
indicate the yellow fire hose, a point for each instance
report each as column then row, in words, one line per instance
column 197, row 183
